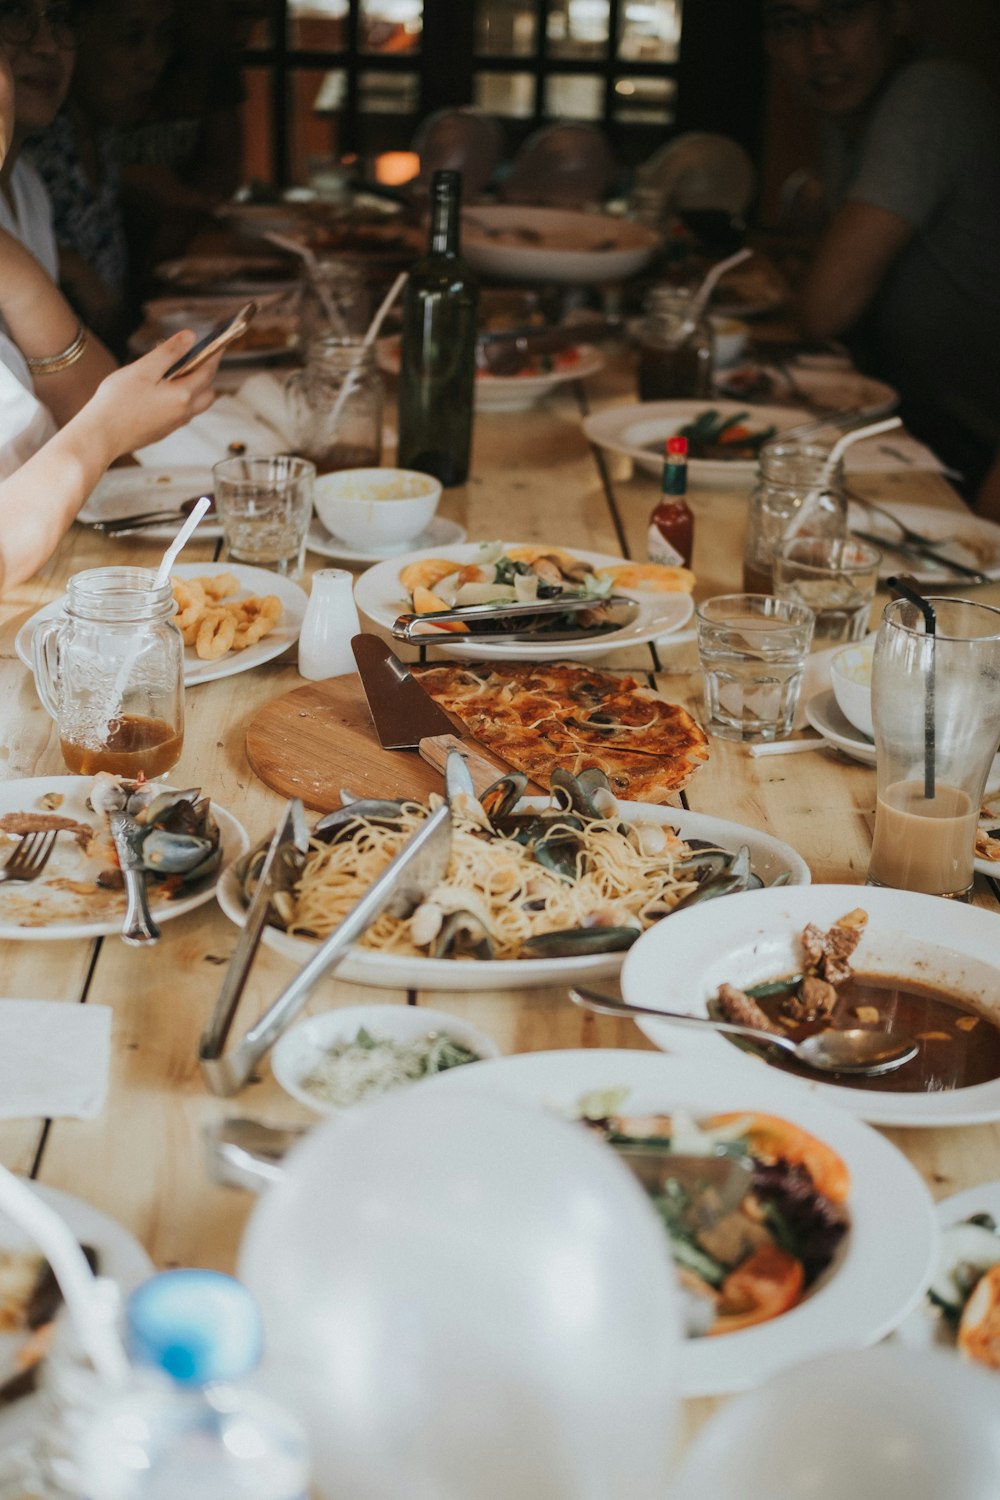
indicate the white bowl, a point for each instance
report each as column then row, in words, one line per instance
column 729, row 339
column 303, row 1046
column 517, row 242
column 851, row 678
column 376, row 507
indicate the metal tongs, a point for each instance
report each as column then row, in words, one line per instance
column 400, row 888
column 523, row 621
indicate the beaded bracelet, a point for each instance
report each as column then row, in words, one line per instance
column 52, row 364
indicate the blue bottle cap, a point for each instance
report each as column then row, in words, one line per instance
column 197, row 1326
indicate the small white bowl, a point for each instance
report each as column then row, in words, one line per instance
column 729, row 339
column 376, row 507
column 303, row 1046
column 851, row 678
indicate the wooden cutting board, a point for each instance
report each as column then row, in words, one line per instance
column 320, row 737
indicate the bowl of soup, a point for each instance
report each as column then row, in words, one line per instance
column 372, row 508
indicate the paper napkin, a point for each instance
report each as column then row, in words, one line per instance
column 54, row 1059
column 255, row 415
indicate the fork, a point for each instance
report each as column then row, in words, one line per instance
column 907, row 534
column 31, row 855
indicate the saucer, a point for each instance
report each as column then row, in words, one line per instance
column 824, row 715
column 440, row 533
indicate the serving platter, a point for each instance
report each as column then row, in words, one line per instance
column 639, row 432
column 521, row 243
column 769, row 858
column 945, row 944
column 960, row 534
column 886, row 1260
column 41, row 911
column 379, row 594
column 253, row 581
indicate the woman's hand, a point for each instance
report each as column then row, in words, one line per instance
column 135, row 405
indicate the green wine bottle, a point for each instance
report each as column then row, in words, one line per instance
column 438, row 357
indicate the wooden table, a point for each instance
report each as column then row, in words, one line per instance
column 534, row 478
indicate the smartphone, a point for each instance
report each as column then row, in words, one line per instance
column 217, row 338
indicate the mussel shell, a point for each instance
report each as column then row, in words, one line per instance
column 385, row 813
column 502, row 796
column 165, row 853
column 463, row 935
column 579, row 789
column 577, row 942
column 179, row 812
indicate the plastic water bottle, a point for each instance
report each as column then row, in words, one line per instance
column 188, row 1427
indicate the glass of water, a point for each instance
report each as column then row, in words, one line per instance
column 753, row 649
column 265, row 506
column 835, row 577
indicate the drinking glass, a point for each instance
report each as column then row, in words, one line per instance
column 936, row 716
column 753, row 649
column 835, row 577
column 265, row 505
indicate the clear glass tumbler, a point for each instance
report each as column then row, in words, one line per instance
column 265, row 506
column 753, row 649
column 836, row 577
column 936, row 716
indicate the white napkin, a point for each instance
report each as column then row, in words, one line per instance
column 54, row 1059
column 889, row 452
column 254, row 415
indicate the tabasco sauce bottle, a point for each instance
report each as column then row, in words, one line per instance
column 671, row 526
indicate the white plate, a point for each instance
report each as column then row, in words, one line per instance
column 769, row 856
column 379, row 594
column 925, row 1327
column 129, row 492
column 305, row 1046
column 959, row 534
column 440, row 533
column 23, row 796
column 823, row 713
column 562, row 245
column 886, row 1260
column 252, row 581
column 120, row 1257
column 680, row 965
column 508, row 392
column 990, row 867
column 839, row 390
column 639, row 432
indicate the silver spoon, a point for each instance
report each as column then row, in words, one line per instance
column 854, row 1050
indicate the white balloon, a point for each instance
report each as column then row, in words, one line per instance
column 876, row 1424
column 468, row 1299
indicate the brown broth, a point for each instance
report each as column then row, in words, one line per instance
column 949, row 1057
column 137, row 745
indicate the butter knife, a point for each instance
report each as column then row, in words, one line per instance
column 914, row 549
column 138, row 928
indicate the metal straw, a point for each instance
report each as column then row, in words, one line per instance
column 907, row 587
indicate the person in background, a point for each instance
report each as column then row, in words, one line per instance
column 40, row 45
column 46, row 474
column 905, row 269
column 123, row 47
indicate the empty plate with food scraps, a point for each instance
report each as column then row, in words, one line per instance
column 123, row 493
column 922, row 967
column 961, row 1310
column 264, row 610
column 860, row 1274
column 512, row 572
column 541, row 373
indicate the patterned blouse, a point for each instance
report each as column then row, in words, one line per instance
column 89, row 223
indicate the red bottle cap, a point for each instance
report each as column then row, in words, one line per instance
column 677, row 447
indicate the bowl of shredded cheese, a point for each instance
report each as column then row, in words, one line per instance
column 351, row 1056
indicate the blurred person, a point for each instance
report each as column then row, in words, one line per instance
column 123, row 47
column 46, row 474
column 40, row 44
column 905, row 268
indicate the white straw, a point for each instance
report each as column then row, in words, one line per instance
column 179, row 541
column 69, row 1266
column 786, row 747
column 315, row 275
column 857, row 435
column 708, row 286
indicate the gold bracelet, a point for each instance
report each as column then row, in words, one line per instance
column 53, row 363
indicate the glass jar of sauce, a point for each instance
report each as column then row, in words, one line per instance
column 335, row 406
column 110, row 671
column 675, row 347
column 791, row 496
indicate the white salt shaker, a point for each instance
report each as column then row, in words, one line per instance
column 331, row 619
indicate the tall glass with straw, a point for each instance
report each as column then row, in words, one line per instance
column 936, row 715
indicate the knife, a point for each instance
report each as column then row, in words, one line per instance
column 407, row 718
column 914, row 549
column 138, row 928
column 526, row 621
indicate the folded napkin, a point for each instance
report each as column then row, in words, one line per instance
column 891, row 451
column 254, row 415
column 54, row 1059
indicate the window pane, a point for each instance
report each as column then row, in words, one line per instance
column 317, row 98
column 572, row 98
column 506, row 94
column 578, row 28
column 649, row 31
column 645, row 101
column 391, row 25
column 319, row 25
column 505, row 30
column 388, row 93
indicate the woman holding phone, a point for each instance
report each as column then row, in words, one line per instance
column 58, row 437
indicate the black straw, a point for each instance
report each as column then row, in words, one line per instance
column 907, row 587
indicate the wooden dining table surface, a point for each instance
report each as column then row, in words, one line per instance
column 534, row 477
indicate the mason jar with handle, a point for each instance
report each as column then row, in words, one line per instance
column 793, row 495
column 110, row 672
